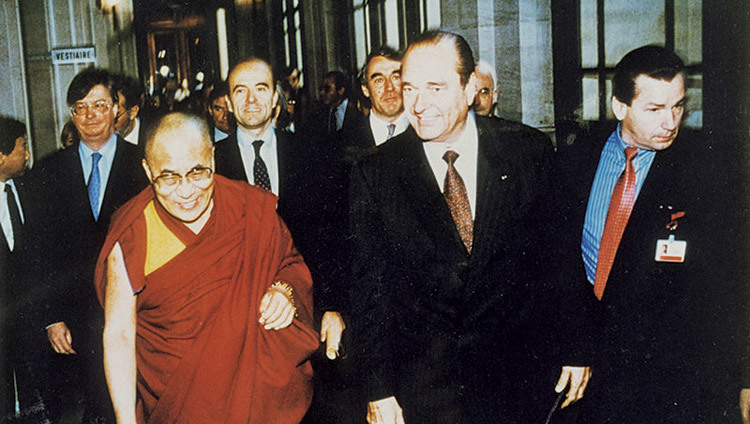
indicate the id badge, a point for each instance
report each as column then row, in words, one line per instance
column 670, row 250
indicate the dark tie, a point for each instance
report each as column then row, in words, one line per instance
column 620, row 206
column 332, row 127
column 94, row 184
column 15, row 216
column 391, row 130
column 455, row 195
column 260, row 172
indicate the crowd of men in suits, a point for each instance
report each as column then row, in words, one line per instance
column 463, row 271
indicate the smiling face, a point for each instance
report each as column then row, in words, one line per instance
column 96, row 128
column 253, row 95
column 180, row 150
column 383, row 87
column 653, row 118
column 434, row 99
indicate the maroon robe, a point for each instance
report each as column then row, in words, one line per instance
column 202, row 356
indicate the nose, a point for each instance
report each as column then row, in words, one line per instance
column 90, row 111
column 389, row 85
column 670, row 120
column 184, row 189
column 420, row 103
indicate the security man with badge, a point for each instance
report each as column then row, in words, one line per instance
column 634, row 201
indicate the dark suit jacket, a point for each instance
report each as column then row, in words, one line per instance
column 652, row 334
column 442, row 330
column 64, row 238
column 306, row 204
column 12, row 282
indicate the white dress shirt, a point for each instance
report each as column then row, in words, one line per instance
column 268, row 152
column 132, row 138
column 379, row 127
column 105, row 164
column 467, row 146
column 5, row 222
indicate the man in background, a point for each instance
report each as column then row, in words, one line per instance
column 485, row 102
column 221, row 118
column 14, row 158
column 74, row 194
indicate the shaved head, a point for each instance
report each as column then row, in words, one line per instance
column 179, row 163
column 178, row 122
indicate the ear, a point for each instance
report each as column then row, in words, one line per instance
column 619, row 108
column 470, row 90
column 275, row 97
column 365, row 91
column 147, row 169
column 115, row 108
column 341, row 91
column 134, row 111
column 229, row 103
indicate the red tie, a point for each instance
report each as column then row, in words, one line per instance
column 620, row 206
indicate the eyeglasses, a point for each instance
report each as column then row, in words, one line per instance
column 484, row 92
column 82, row 108
column 199, row 177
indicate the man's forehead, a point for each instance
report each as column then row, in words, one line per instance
column 655, row 89
column 484, row 80
column 219, row 102
column 423, row 57
column 251, row 74
column 381, row 64
column 98, row 91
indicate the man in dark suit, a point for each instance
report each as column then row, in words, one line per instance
column 444, row 221
column 14, row 157
column 380, row 79
column 75, row 192
column 339, row 111
column 637, row 200
column 220, row 118
column 130, row 98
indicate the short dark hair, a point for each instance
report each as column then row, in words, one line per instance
column 10, row 130
column 465, row 64
column 88, row 79
column 130, row 88
column 652, row 61
column 340, row 79
column 220, row 89
column 385, row 51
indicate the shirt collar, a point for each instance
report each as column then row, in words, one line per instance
column 245, row 139
column 107, row 150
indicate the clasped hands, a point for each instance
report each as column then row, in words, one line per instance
column 277, row 308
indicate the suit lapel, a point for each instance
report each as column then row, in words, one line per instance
column 495, row 180
column 79, row 191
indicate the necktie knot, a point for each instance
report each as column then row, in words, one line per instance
column 630, row 153
column 450, row 157
column 256, row 145
column 391, row 130
column 95, row 158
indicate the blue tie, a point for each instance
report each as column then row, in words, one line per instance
column 94, row 184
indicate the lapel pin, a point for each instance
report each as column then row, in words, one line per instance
column 504, row 177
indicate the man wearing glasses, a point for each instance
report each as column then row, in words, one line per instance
column 221, row 298
column 74, row 193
